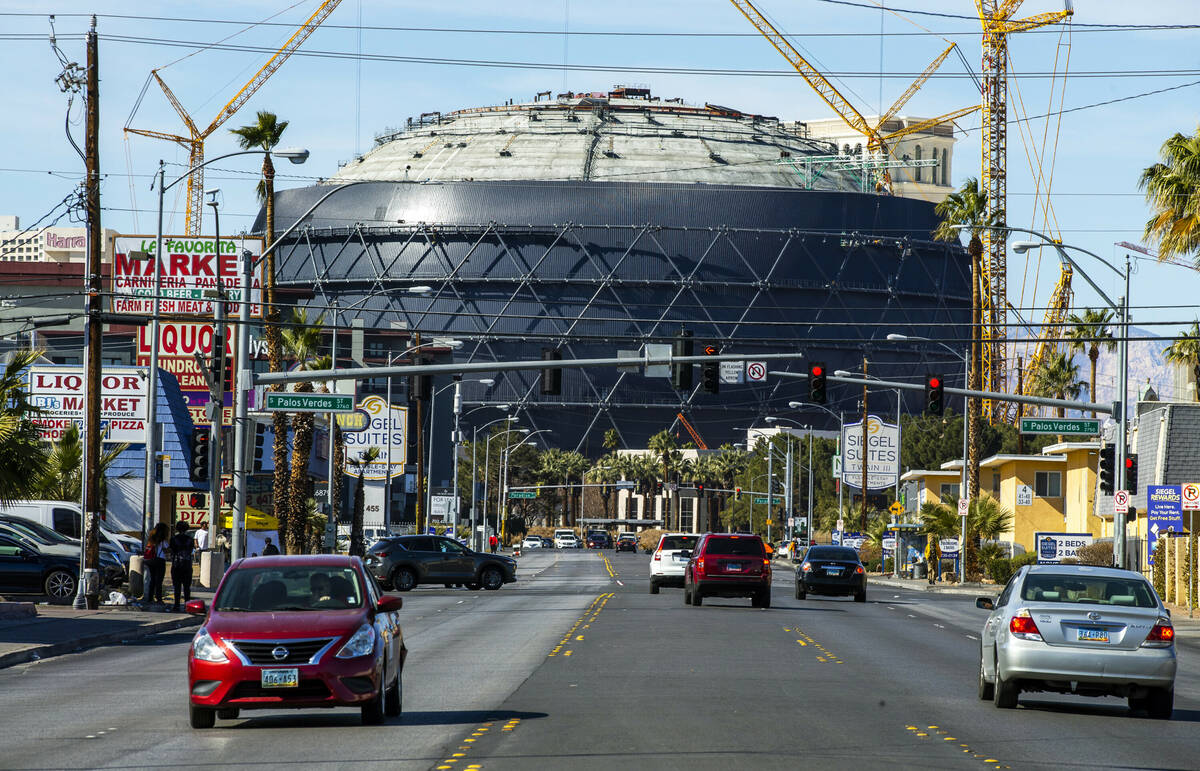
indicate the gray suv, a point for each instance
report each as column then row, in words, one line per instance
column 403, row 562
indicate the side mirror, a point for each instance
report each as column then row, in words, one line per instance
column 389, row 604
column 195, row 607
column 985, row 603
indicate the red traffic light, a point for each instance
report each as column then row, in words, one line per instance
column 817, row 370
column 1129, row 463
column 934, row 382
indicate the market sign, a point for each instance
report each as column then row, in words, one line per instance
column 58, row 392
column 385, row 431
column 882, row 454
column 190, row 268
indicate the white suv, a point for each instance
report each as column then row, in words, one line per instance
column 668, row 561
column 566, row 541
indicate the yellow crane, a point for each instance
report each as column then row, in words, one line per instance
column 194, row 142
column 995, row 16
column 877, row 140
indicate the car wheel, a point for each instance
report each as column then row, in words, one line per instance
column 1004, row 692
column 201, row 717
column 404, row 579
column 860, row 596
column 1160, row 703
column 653, row 586
column 761, row 598
column 491, row 578
column 229, row 713
column 687, row 593
column 985, row 688
column 59, row 586
column 393, row 700
column 697, row 597
column 800, row 593
column 372, row 711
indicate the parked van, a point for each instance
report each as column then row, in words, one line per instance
column 66, row 518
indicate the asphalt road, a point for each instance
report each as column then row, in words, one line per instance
column 577, row 666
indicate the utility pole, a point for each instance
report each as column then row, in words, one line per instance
column 412, row 388
column 863, row 452
column 88, row 593
column 1020, row 407
column 216, row 403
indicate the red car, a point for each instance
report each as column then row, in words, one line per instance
column 728, row 565
column 297, row 631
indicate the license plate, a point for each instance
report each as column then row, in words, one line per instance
column 833, row 571
column 733, row 566
column 1091, row 634
column 280, row 678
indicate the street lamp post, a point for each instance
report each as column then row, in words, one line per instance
column 433, row 423
column 505, row 459
column 216, row 404
column 475, row 510
column 841, row 423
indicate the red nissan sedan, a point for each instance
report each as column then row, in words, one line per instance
column 296, row 631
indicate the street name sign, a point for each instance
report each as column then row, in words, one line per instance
column 1072, row 426
column 292, row 402
column 763, row 499
column 521, row 494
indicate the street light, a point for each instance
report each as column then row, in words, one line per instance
column 840, row 482
column 454, row 439
column 487, row 450
column 474, row 445
column 787, row 475
column 502, row 503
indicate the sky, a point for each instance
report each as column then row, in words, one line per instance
column 424, row 57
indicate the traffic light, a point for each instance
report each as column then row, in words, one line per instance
column 681, row 373
column 711, row 371
column 658, row 487
column 1131, row 473
column 229, row 495
column 1108, row 469
column 201, row 442
column 935, row 397
column 737, row 493
column 198, row 500
column 816, row 382
column 221, row 380
column 260, row 446
column 552, row 376
column 699, row 488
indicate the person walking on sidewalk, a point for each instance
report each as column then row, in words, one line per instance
column 270, row 550
column 493, row 541
column 181, row 547
column 933, row 557
column 156, row 562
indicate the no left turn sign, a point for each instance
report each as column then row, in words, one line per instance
column 1121, row 501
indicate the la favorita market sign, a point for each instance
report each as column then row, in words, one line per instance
column 189, row 268
column 59, row 394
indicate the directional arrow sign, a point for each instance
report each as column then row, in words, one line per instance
column 1072, row 426
column 291, row 402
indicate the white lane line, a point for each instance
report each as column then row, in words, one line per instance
column 939, row 626
column 911, row 615
column 970, row 637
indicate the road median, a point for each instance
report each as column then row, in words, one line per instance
column 54, row 630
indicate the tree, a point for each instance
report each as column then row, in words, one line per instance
column 62, row 476
column 1058, row 378
column 1088, row 333
column 359, row 464
column 969, row 208
column 1186, row 351
column 22, row 453
column 604, row 472
column 612, row 440
column 265, row 134
column 1173, row 192
column 987, row 520
column 301, row 339
column 666, row 448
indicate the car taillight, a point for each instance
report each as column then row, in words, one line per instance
column 858, row 570
column 766, row 562
column 1161, row 636
column 658, row 555
column 806, row 567
column 382, row 554
column 1023, row 627
column 700, row 564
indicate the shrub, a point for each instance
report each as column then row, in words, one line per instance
column 1021, row 560
column 1159, row 574
column 872, row 566
column 1000, row 569
column 1098, row 554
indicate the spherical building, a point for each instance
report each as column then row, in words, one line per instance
column 596, row 223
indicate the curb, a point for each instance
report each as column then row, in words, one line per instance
column 976, row 591
column 15, row 610
column 94, row 641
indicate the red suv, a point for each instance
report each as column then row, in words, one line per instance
column 728, row 565
column 296, row 631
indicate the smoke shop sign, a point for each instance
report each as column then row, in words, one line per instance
column 191, row 268
column 58, row 392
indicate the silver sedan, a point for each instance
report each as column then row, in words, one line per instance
column 1082, row 630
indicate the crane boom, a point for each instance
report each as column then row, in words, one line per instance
column 915, row 86
column 692, row 431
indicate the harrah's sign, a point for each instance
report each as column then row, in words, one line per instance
column 55, row 241
column 189, row 269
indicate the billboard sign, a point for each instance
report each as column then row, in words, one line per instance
column 190, row 267
column 1164, row 514
column 385, row 431
column 58, row 392
column 882, row 454
column 178, row 344
column 1053, row 548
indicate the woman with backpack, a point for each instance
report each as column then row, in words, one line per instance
column 156, row 562
column 181, row 547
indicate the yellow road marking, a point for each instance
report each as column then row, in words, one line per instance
column 567, row 653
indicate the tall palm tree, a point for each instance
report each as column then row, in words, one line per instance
column 301, row 339
column 939, row 519
column 62, row 476
column 1089, row 332
column 666, row 448
column 1186, row 351
column 987, row 519
column 605, row 472
column 1058, row 378
column 359, row 464
column 969, row 208
column 574, row 466
column 22, row 453
column 1173, row 192
column 264, row 134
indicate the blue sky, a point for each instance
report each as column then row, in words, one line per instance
column 336, row 105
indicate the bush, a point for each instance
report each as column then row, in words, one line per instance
column 887, row 566
column 872, row 566
column 1021, row 560
column 1098, row 554
column 1000, row 569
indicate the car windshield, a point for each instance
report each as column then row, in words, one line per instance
column 832, row 553
column 1091, row 590
column 673, row 542
column 38, row 531
column 296, row 587
column 742, row 547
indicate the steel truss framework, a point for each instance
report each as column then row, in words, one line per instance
column 508, row 291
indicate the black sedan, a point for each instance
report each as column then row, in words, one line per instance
column 627, row 543
column 27, row 569
column 406, row 561
column 832, row 570
column 599, row 541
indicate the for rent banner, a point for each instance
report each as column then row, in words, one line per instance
column 190, row 268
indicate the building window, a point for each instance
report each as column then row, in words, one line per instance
column 949, row 491
column 917, row 171
column 1047, row 484
column 996, row 484
column 945, row 167
column 687, row 507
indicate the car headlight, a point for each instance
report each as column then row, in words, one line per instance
column 360, row 643
column 205, row 648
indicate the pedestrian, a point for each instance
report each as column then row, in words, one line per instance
column 156, row 562
column 200, row 537
column 933, row 557
column 493, row 541
column 181, row 547
column 270, row 549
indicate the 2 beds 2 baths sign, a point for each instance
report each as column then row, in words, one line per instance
column 59, row 393
column 189, row 268
column 1053, row 548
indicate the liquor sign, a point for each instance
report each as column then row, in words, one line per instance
column 882, row 454
column 59, row 394
column 189, row 268
column 178, row 344
column 386, row 431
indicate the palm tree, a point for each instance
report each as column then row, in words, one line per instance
column 62, row 476
column 265, row 134
column 604, row 472
column 359, row 464
column 1057, row 378
column 1186, row 351
column 1173, row 192
column 301, row 339
column 574, row 466
column 1089, row 332
column 22, row 453
column 987, row 520
column 969, row 208
column 939, row 519
column 664, row 446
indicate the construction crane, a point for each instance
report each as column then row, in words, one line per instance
column 691, row 430
column 194, row 142
column 996, row 18
column 877, row 140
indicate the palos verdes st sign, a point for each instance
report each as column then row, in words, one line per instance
column 1073, row 426
column 189, row 268
column 309, row 402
